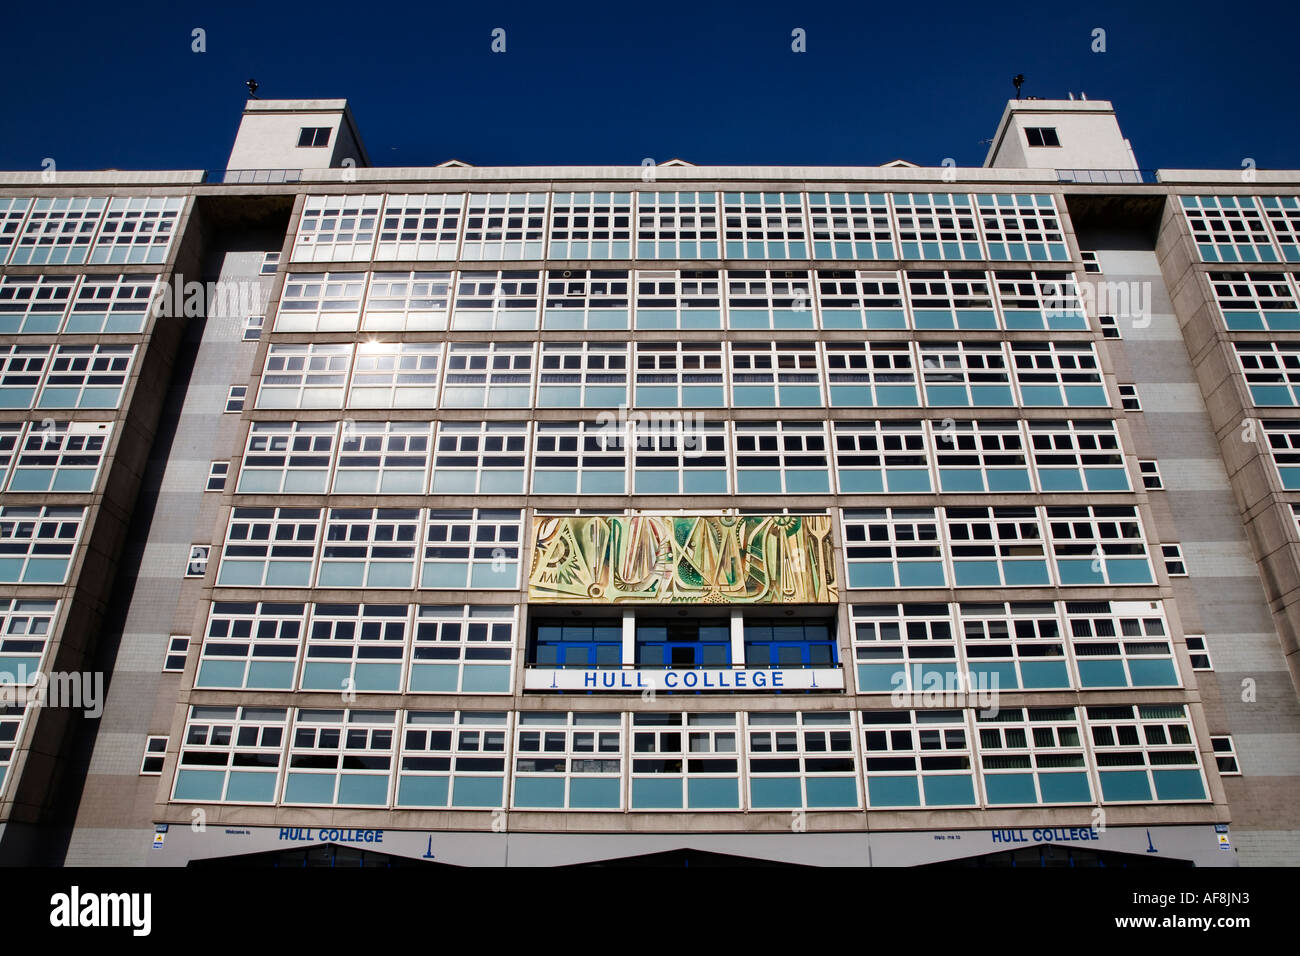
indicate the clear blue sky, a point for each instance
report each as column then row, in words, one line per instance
column 116, row 86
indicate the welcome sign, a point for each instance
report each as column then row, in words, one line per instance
column 680, row 559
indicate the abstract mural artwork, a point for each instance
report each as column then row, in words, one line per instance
column 675, row 559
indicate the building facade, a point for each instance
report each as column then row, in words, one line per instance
column 542, row 516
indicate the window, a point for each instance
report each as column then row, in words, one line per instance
column 775, row 374
column 867, row 374
column 26, row 630
column 903, row 647
column 34, row 305
column 489, row 375
column 591, row 226
column 341, row 757
column 478, row 549
column 764, row 226
column 231, row 755
column 286, row 458
column 893, row 547
column 1175, row 566
column 314, row 136
column 86, row 376
column 372, row 548
column 568, row 761
column 685, row 761
column 253, row 327
column 1121, row 644
column 320, row 302
column 965, row 374
column 676, row 225
column 936, row 226
column 12, row 213
column 1150, row 471
column 1284, row 445
column 178, row 648
column 1090, row 263
column 270, row 264
column 1041, row 136
column 675, row 457
column 782, row 458
column 579, row 458
column 480, row 458
column 337, row 228
column 1109, row 328
column 1256, row 301
column 12, row 719
column 197, row 566
column 951, row 300
column 586, row 299
column 137, row 231
column 1199, row 652
column 155, row 752
column 36, row 544
column 782, row 643
column 802, row 760
column 407, row 302
column 1283, row 214
column 917, row 758
column 1225, row 755
column 1032, row 756
column 269, row 547
column 355, row 647
column 679, row 375
column 860, row 299
column 1013, row 646
column 420, row 228
column 58, row 232
column 60, row 456
column 506, row 299
column 1228, row 229
column 980, row 455
column 874, row 457
column 1128, row 397
column 401, row 375
column 386, row 458
column 453, row 760
column 996, row 547
column 1018, row 226
column 583, row 375
column 504, row 226
column 462, row 648
column 218, row 471
column 679, row 299
column 1145, row 753
column 1272, row 371
column 588, row 642
column 770, row 299
column 10, row 433
column 235, row 398
column 304, row 376
column 22, row 367
column 1078, row 455
column 674, row 644
column 1034, row 300
column 251, row 645
column 1058, row 373
column 851, row 226
column 1098, row 545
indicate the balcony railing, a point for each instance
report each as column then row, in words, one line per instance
column 253, row 176
column 1107, row 176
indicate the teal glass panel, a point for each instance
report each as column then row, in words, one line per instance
column 893, row 792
